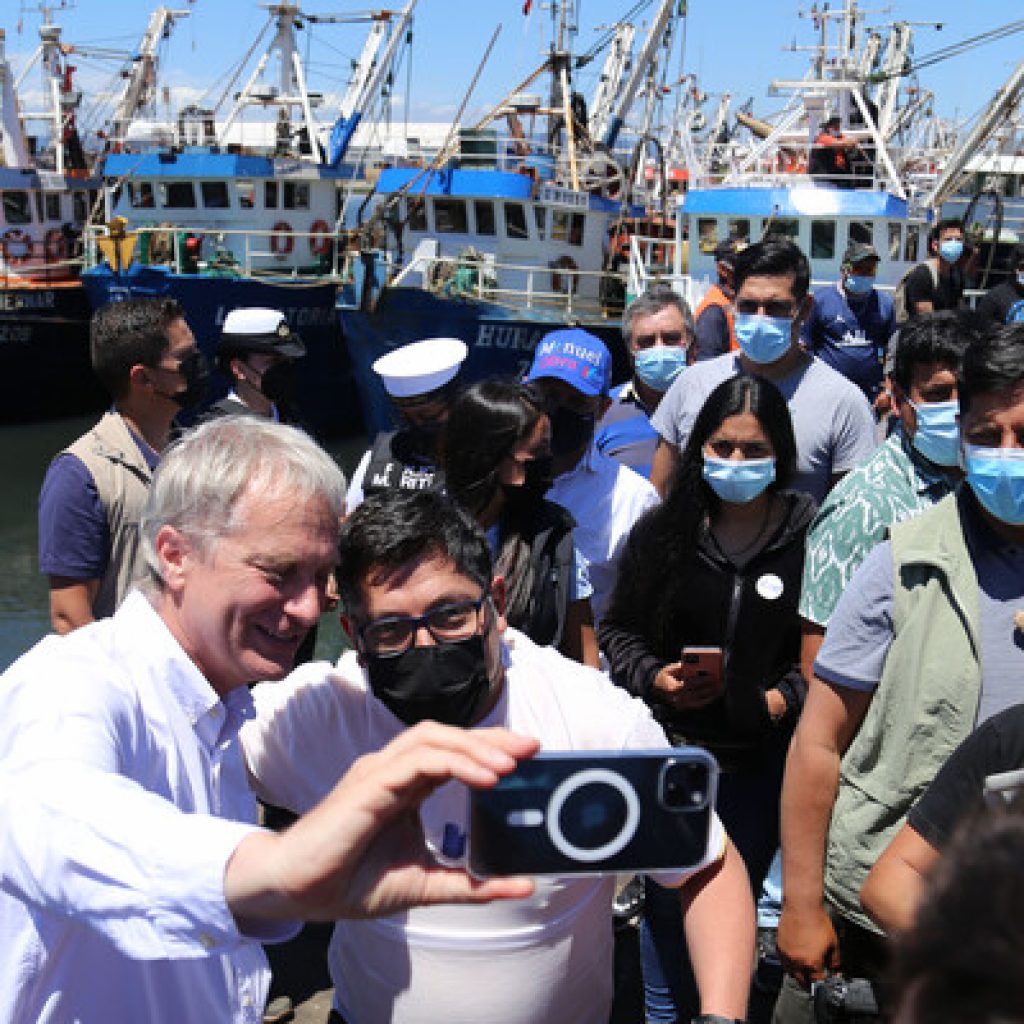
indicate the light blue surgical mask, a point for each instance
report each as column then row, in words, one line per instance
column 738, row 480
column 764, row 339
column 937, row 436
column 951, row 250
column 996, row 476
column 659, row 365
column 857, row 284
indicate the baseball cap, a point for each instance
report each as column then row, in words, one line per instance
column 857, row 252
column 575, row 356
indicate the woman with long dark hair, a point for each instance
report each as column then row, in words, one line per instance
column 717, row 566
column 496, row 456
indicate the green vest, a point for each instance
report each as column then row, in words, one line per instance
column 122, row 478
column 926, row 702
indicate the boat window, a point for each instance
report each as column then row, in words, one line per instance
column 894, row 241
column 823, row 239
column 567, row 227
column 707, row 233
column 787, row 227
column 913, row 242
column 515, row 221
column 81, row 203
column 270, row 195
column 296, row 195
column 739, row 227
column 51, row 201
column 862, row 231
column 16, row 208
column 246, row 194
column 540, row 216
column 483, row 210
column 177, row 195
column 417, row 217
column 450, row 216
column 140, row 195
column 215, row 195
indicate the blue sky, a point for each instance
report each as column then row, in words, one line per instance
column 736, row 47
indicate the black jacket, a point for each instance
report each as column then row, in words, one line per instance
column 706, row 602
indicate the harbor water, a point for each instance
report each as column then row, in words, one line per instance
column 25, row 452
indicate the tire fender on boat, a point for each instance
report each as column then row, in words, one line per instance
column 16, row 245
column 319, row 238
column 281, row 245
column 560, row 281
column 53, row 245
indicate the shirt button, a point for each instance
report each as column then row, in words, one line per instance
column 206, row 940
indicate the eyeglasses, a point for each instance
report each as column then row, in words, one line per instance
column 776, row 308
column 392, row 635
column 667, row 338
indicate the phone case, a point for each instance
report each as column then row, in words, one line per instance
column 595, row 812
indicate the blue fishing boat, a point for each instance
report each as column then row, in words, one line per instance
column 506, row 235
column 251, row 214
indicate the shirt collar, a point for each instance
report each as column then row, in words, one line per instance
column 927, row 476
column 215, row 720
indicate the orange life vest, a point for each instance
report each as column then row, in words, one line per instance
column 716, row 297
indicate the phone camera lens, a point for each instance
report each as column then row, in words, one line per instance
column 593, row 816
column 684, row 785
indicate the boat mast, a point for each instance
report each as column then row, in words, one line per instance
column 62, row 98
column 14, row 150
column 141, row 84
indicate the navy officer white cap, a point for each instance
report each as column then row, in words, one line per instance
column 257, row 329
column 421, row 367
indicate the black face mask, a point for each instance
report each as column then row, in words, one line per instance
column 278, row 382
column 539, row 478
column 445, row 682
column 422, row 438
column 570, row 431
column 196, row 372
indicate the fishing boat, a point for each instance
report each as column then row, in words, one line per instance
column 45, row 197
column 506, row 235
column 248, row 214
column 766, row 180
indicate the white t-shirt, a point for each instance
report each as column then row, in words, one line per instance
column 530, row 961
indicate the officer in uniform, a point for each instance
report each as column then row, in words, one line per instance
column 421, row 380
column 257, row 352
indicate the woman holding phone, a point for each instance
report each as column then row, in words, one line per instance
column 703, row 626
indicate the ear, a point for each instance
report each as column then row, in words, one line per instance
column 498, row 598
column 174, row 553
column 236, row 368
column 139, row 378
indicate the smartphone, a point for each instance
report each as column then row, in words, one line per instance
column 703, row 661
column 595, row 812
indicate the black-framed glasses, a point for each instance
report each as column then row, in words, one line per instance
column 392, row 635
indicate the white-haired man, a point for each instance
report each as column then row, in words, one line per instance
column 134, row 883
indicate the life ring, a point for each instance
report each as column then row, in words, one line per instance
column 560, row 282
column 54, row 246
column 281, row 245
column 17, row 245
column 319, row 238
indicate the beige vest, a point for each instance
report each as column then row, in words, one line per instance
column 122, row 478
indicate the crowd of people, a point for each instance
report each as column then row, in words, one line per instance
column 794, row 538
